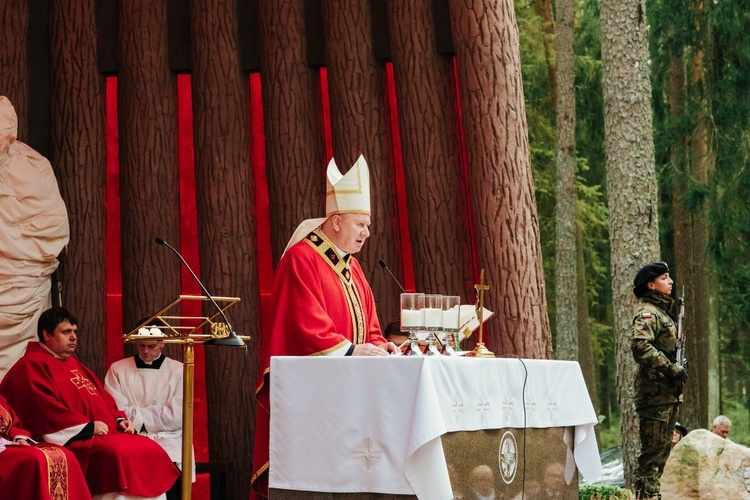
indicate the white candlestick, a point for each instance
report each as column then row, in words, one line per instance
column 410, row 318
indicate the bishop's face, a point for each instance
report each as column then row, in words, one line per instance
column 63, row 340
column 351, row 231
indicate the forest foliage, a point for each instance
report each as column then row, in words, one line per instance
column 725, row 29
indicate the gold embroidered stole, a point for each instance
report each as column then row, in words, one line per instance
column 325, row 248
column 57, row 470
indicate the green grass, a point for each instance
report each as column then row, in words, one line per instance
column 609, row 432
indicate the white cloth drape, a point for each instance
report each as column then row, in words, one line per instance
column 33, row 232
column 374, row 424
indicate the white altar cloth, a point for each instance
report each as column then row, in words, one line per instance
column 373, row 424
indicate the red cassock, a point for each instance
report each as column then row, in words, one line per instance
column 320, row 304
column 43, row 471
column 51, row 395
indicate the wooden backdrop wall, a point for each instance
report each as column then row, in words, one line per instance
column 429, row 90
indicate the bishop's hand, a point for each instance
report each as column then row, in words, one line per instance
column 369, row 350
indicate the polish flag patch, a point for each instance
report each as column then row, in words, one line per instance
column 646, row 315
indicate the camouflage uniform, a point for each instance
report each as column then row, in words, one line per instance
column 658, row 393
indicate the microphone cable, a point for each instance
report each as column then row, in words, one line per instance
column 523, row 402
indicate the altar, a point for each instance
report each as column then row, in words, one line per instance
column 403, row 425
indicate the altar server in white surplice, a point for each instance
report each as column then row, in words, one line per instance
column 148, row 388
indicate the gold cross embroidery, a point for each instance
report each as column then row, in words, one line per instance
column 82, row 382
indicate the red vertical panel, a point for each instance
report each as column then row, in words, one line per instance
column 189, row 250
column 325, row 117
column 113, row 276
column 464, row 161
column 407, row 259
column 262, row 216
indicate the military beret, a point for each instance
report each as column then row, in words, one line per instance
column 646, row 275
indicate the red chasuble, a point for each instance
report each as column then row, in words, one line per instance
column 321, row 303
column 43, row 471
column 51, row 395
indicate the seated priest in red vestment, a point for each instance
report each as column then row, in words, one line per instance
column 322, row 303
column 42, row 471
column 61, row 401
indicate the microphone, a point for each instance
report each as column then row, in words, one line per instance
column 232, row 339
column 382, row 264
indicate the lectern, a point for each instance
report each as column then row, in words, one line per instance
column 187, row 330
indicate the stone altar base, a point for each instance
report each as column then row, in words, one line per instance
column 515, row 463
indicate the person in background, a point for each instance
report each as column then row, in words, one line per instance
column 679, row 433
column 721, row 426
column 482, row 483
column 148, row 388
column 553, row 482
column 659, row 380
column 42, row 471
column 394, row 334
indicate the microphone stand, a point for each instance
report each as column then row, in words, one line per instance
column 382, row 264
column 232, row 339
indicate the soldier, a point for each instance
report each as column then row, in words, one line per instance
column 659, row 380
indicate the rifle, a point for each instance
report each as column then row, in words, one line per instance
column 680, row 346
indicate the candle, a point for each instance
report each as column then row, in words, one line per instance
column 433, row 318
column 410, row 318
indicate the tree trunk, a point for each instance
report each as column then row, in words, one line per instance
column 78, row 154
column 224, row 183
column 438, row 222
column 691, row 237
column 149, row 184
column 544, row 9
column 14, row 84
column 356, row 84
column 566, row 299
column 713, row 359
column 701, row 167
column 631, row 185
column 486, row 39
column 585, row 351
column 295, row 156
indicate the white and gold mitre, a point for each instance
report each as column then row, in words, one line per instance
column 349, row 193
column 346, row 194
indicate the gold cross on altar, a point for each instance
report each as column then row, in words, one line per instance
column 480, row 288
column 480, row 351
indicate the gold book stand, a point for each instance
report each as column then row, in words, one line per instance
column 187, row 330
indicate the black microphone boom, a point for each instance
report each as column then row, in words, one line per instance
column 382, row 264
column 232, row 339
